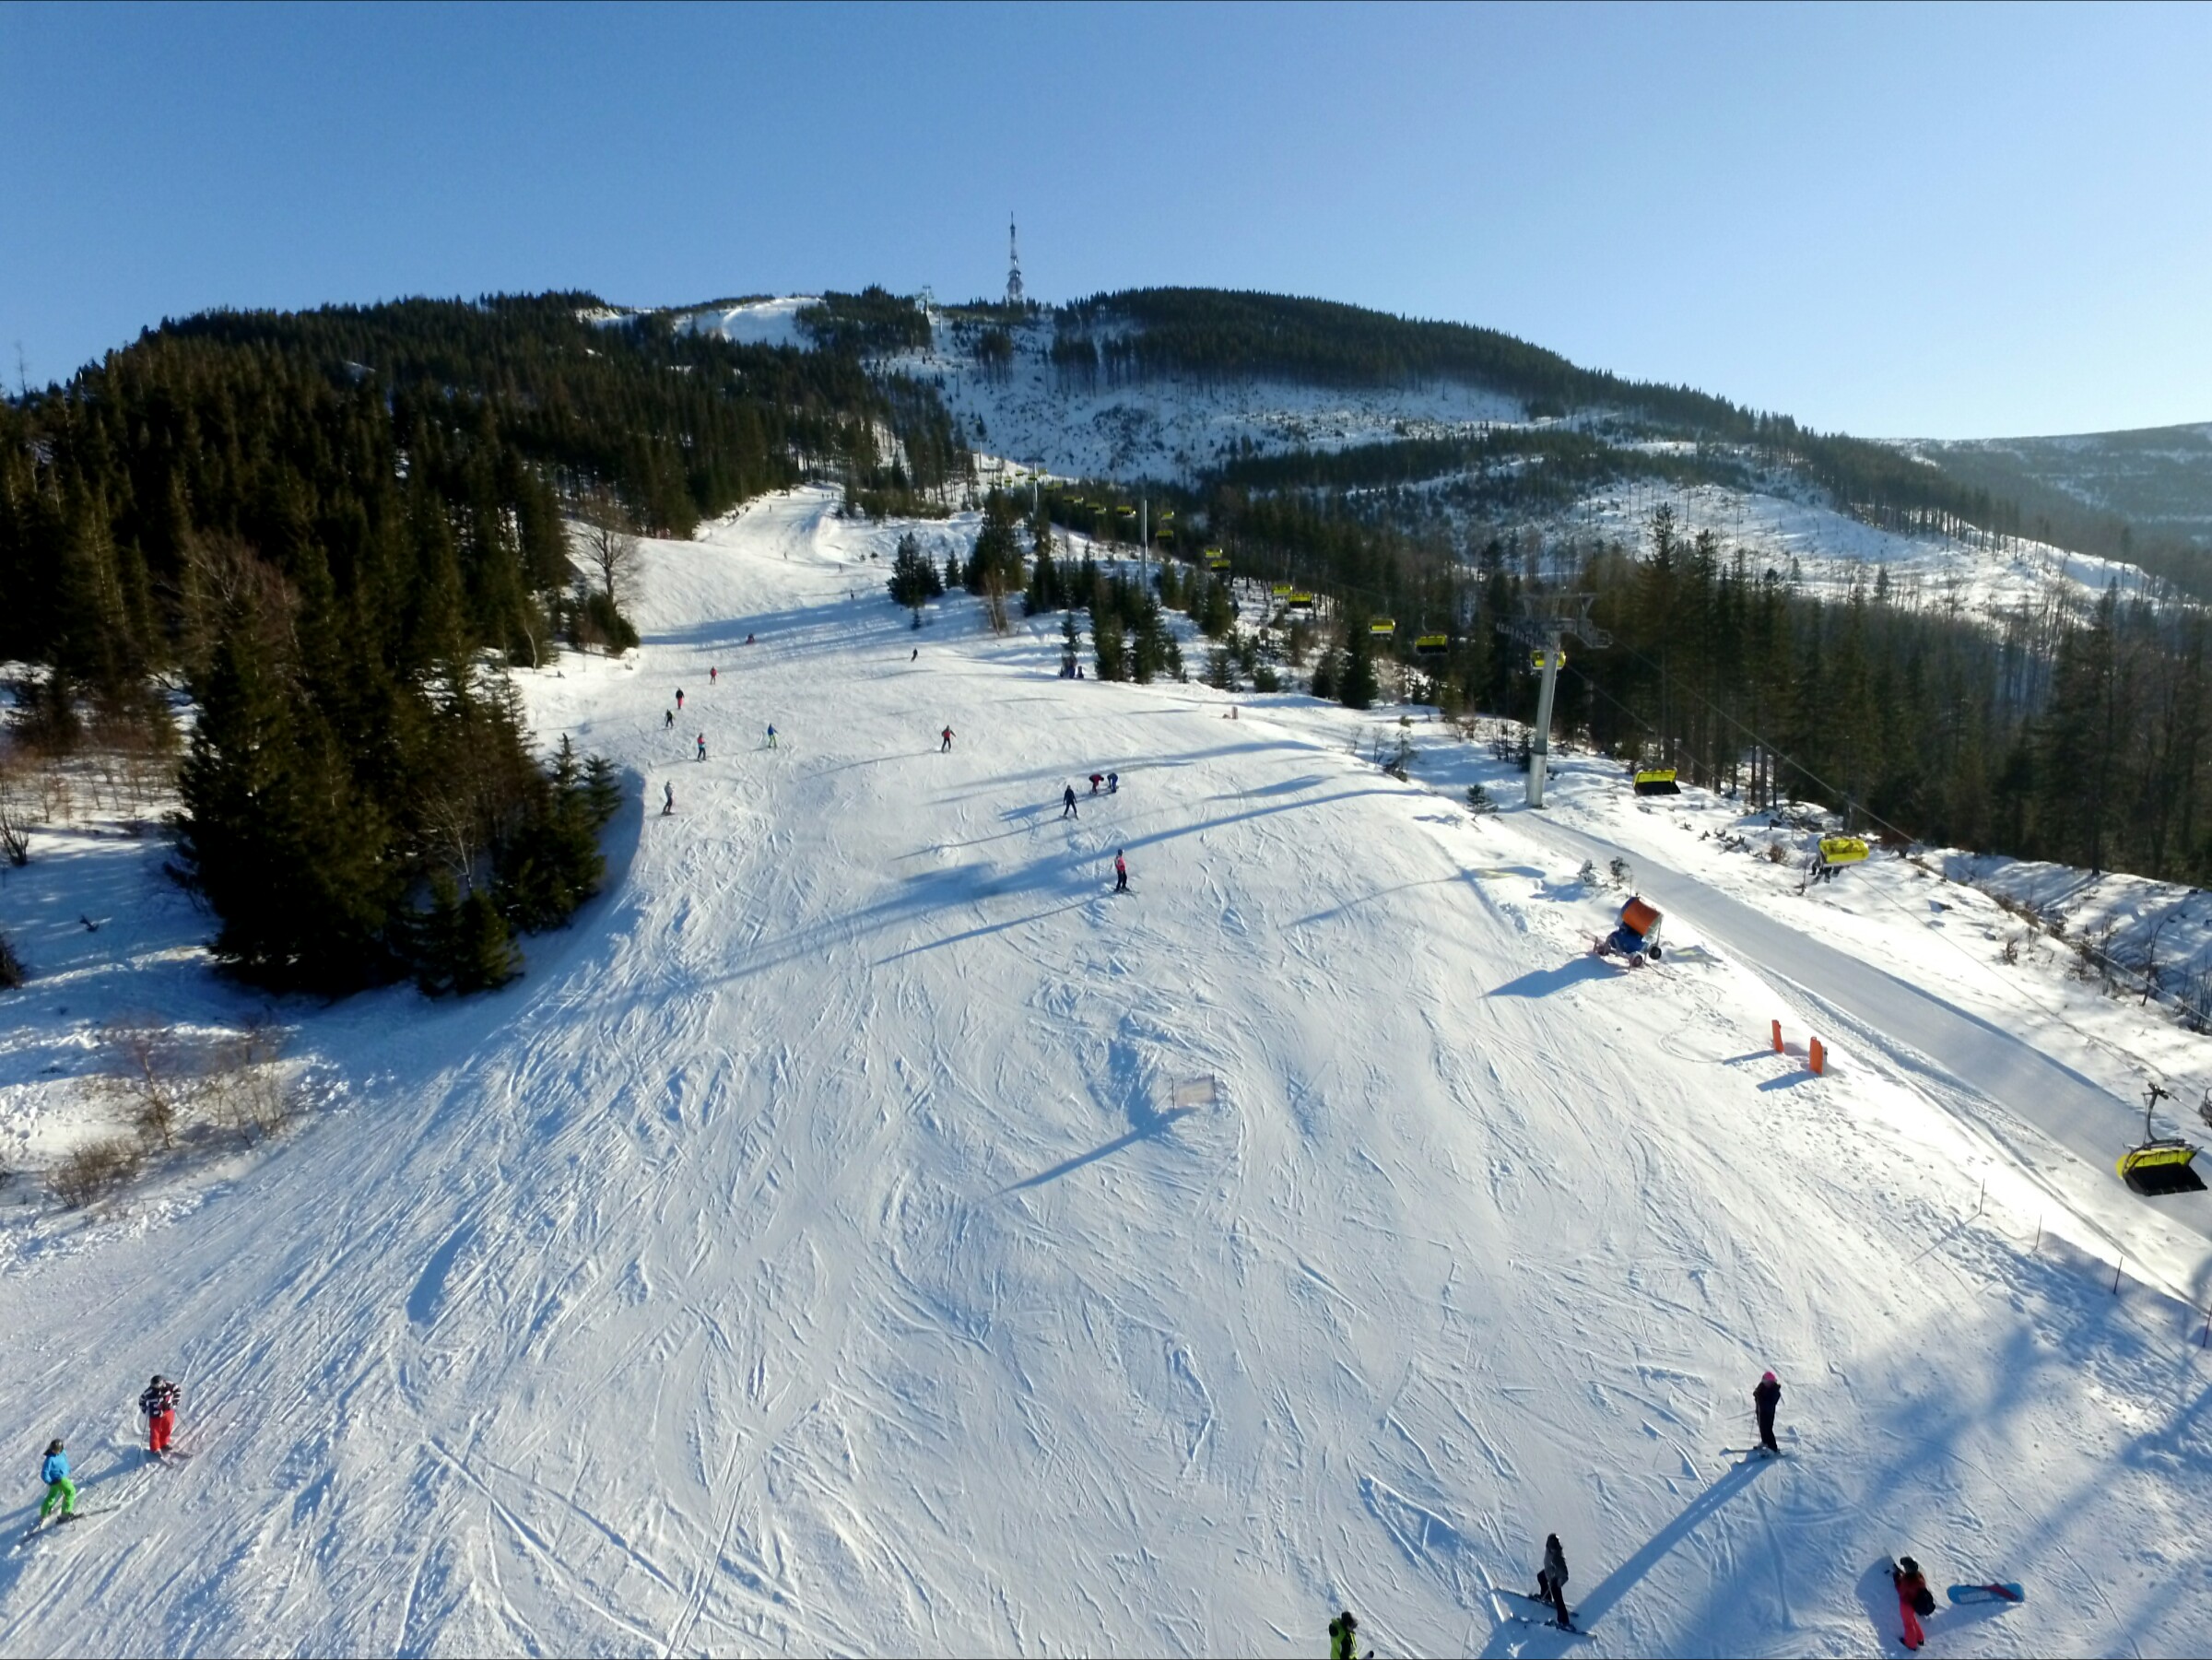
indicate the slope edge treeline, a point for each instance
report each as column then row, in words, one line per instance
column 332, row 528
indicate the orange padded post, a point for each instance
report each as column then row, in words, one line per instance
column 1778, row 1037
column 1819, row 1058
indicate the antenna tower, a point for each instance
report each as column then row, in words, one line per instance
column 1014, row 295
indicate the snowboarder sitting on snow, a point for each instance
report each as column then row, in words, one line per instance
column 1764, row 1400
column 1551, row 1579
column 1067, row 803
column 1120, row 873
column 59, row 1490
column 157, row 1405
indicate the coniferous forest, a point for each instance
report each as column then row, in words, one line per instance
column 330, row 530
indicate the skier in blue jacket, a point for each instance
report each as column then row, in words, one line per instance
column 59, row 1490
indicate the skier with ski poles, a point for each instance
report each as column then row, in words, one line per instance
column 157, row 1405
column 1551, row 1581
column 59, row 1490
column 1764, row 1400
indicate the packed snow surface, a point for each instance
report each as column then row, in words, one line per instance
column 862, row 1231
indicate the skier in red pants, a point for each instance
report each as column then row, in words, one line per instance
column 1913, row 1599
column 157, row 1405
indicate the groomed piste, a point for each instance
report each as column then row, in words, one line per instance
column 864, row 1232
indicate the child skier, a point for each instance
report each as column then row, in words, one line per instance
column 713, row 674
column 772, row 735
column 703, row 746
column 680, row 699
column 59, row 1490
column 157, row 1405
column 1120, row 873
column 946, row 735
column 1551, row 1581
column 1764, row 1400
column 667, row 719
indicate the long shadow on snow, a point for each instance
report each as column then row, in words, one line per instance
column 1154, row 1125
column 925, row 891
column 1542, row 982
column 1616, row 1584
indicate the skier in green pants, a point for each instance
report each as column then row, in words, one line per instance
column 59, row 1490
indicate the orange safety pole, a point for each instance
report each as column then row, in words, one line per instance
column 1778, row 1037
column 1819, row 1058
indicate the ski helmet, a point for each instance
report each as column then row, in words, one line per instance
column 55, row 1448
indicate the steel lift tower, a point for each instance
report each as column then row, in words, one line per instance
column 1014, row 294
column 1546, row 620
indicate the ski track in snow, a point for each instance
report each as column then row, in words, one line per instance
column 810, row 1253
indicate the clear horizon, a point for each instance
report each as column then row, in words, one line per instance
column 1942, row 222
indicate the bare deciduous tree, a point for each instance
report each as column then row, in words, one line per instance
column 610, row 545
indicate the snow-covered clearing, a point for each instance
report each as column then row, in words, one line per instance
column 1827, row 552
column 860, row 1231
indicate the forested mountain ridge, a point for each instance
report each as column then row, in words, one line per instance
column 322, row 523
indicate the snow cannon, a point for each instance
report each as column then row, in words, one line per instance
column 1637, row 933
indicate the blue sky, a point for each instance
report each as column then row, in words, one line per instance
column 1893, row 221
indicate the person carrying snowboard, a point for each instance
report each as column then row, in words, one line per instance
column 59, row 1490
column 157, row 1405
column 1120, row 873
column 1764, row 1400
column 1913, row 1598
column 1551, row 1581
column 946, row 735
column 1067, row 803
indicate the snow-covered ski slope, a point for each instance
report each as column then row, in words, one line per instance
column 859, row 1232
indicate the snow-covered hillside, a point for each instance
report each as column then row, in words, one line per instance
column 1025, row 416
column 862, row 1230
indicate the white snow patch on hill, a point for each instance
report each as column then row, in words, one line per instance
column 862, row 1232
column 755, row 322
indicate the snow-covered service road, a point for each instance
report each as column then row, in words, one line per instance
column 860, row 1231
column 1913, row 1024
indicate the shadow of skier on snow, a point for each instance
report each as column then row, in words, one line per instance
column 1616, row 1584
